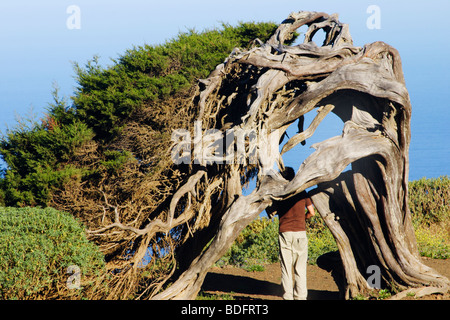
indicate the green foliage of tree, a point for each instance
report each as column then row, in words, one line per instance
column 81, row 142
column 38, row 156
column 36, row 248
column 145, row 74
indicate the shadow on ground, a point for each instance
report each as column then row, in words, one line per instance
column 247, row 287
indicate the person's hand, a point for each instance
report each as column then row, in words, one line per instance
column 310, row 215
column 311, row 212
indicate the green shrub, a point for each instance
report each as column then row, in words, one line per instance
column 433, row 241
column 429, row 200
column 36, row 248
column 320, row 239
column 37, row 159
column 256, row 246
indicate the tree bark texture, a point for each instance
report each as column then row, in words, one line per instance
column 271, row 86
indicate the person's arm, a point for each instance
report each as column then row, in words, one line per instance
column 310, row 207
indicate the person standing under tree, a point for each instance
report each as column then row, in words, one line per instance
column 293, row 240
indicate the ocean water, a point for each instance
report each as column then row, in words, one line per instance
column 429, row 153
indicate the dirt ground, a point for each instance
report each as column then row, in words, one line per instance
column 265, row 285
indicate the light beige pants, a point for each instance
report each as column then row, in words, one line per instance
column 293, row 257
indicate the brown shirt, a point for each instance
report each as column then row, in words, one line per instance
column 291, row 212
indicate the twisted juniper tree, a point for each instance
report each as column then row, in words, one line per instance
column 156, row 173
column 255, row 95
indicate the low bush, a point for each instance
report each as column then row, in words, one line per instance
column 433, row 241
column 36, row 248
column 429, row 201
column 320, row 239
column 256, row 246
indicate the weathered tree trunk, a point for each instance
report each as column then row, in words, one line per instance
column 268, row 88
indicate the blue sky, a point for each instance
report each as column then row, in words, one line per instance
column 37, row 50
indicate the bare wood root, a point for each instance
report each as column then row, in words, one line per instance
column 419, row 292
